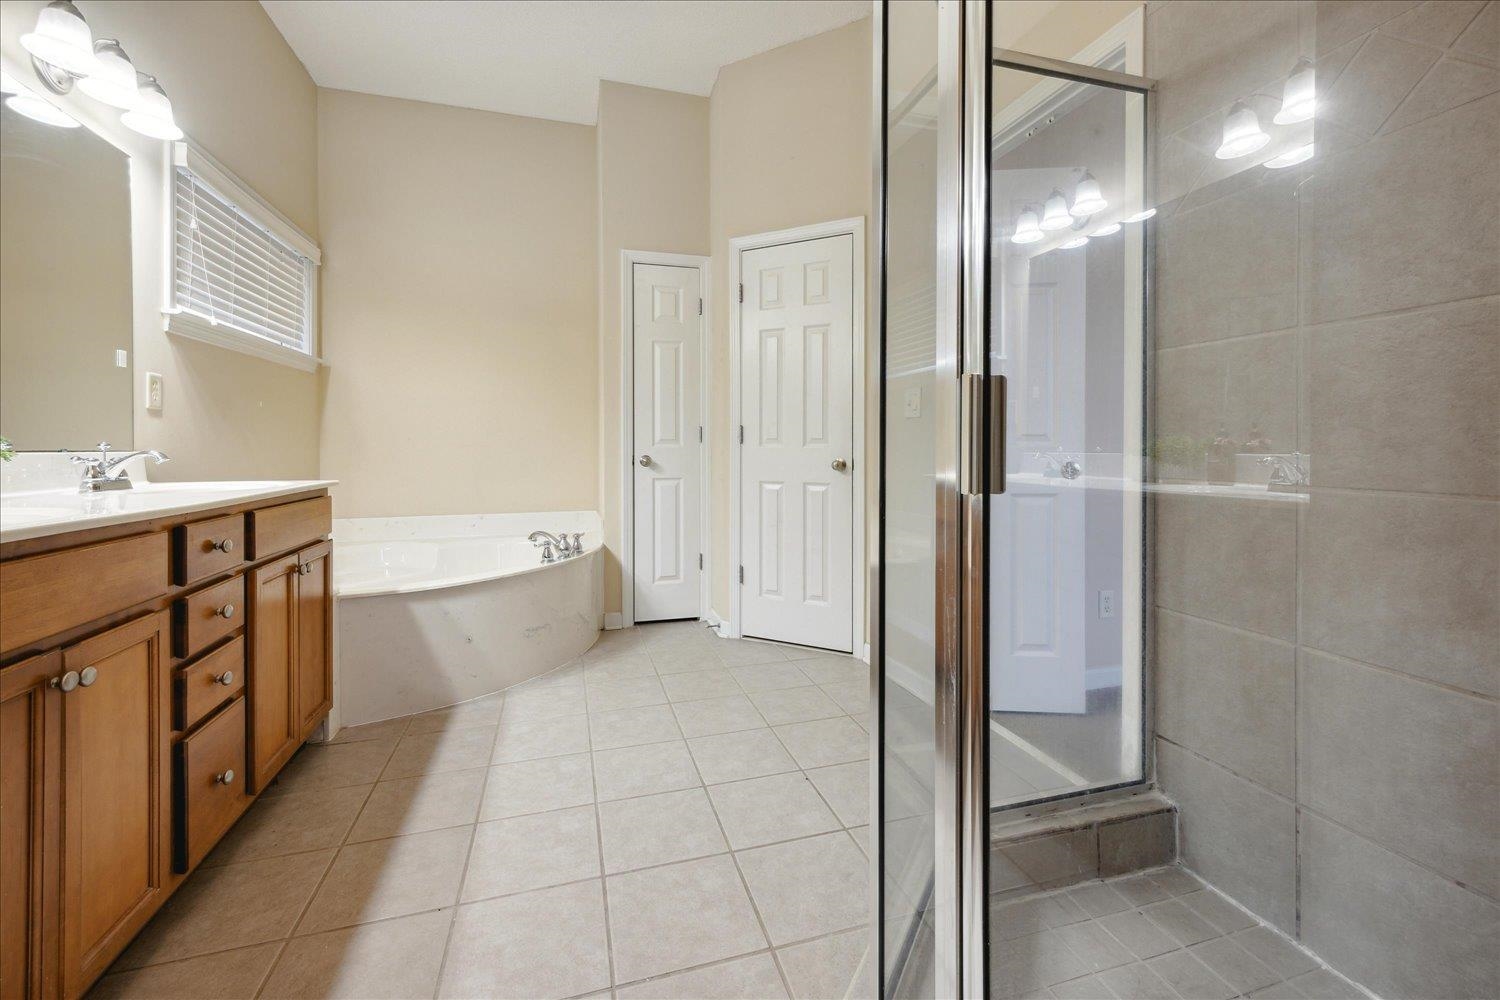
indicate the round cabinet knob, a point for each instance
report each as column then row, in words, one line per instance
column 227, row 611
column 224, row 545
column 645, row 461
column 88, row 677
column 66, row 682
column 305, row 569
column 226, row 678
column 227, row 778
column 839, row 465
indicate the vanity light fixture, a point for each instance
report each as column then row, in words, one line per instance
column 1074, row 243
column 1140, row 216
column 152, row 114
column 1292, row 157
column 38, row 110
column 1242, row 133
column 1027, row 230
column 1087, row 198
column 61, row 46
column 1055, row 213
column 1109, row 230
column 8, row 85
column 1299, row 96
column 114, row 82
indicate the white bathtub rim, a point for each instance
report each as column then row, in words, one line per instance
column 444, row 583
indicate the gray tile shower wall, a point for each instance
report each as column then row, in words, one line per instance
column 1328, row 663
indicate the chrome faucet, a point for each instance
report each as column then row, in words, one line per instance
column 1066, row 468
column 107, row 472
column 564, row 546
column 545, row 541
column 1287, row 473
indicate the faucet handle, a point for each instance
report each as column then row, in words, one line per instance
column 577, row 542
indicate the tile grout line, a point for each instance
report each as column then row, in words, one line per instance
column 609, row 940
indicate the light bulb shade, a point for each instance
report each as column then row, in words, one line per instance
column 38, row 110
column 114, row 83
column 1292, row 157
column 152, row 114
column 1074, row 243
column 1109, row 230
column 8, row 85
column 1055, row 213
column 1242, row 133
column 1087, row 198
column 1299, row 96
column 1027, row 230
column 62, row 39
column 1140, row 216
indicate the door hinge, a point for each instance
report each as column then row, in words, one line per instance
column 700, row 433
column 700, row 560
column 742, row 291
column 742, row 433
column 700, row 307
column 742, row 574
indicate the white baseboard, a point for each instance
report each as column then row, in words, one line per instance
column 865, row 653
column 720, row 624
column 712, row 619
column 614, row 620
column 1095, row 678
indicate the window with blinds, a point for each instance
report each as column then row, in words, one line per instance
column 235, row 274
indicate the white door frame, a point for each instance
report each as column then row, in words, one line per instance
column 628, row 260
column 738, row 245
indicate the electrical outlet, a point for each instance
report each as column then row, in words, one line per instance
column 913, row 402
column 153, row 392
column 1106, row 604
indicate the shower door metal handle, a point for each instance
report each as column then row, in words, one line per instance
column 983, row 404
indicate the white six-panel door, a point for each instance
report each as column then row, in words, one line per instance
column 667, row 328
column 797, row 458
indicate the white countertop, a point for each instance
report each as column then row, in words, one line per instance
column 38, row 513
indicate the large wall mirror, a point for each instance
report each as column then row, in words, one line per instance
column 65, row 287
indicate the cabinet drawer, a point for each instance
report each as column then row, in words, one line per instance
column 211, row 772
column 210, row 614
column 206, row 684
column 47, row 594
column 289, row 525
column 204, row 548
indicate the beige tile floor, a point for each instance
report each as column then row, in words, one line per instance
column 674, row 815
column 1153, row 934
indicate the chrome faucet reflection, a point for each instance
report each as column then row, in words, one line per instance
column 107, row 472
column 565, row 549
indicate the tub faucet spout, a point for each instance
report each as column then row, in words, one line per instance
column 546, row 542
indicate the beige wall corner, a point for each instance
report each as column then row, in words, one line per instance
column 254, row 108
column 789, row 145
column 653, row 195
column 458, row 309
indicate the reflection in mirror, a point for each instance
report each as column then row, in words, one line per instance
column 65, row 287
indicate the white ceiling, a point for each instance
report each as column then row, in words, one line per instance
column 540, row 58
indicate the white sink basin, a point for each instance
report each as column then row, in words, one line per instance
column 21, row 517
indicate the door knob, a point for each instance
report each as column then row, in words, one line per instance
column 88, row 676
column 839, row 465
column 227, row 611
column 66, row 682
column 226, row 678
column 224, row 545
column 645, row 461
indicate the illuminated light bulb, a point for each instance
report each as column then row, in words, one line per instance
column 38, row 110
column 115, row 82
column 152, row 114
column 1087, row 198
column 1242, row 133
column 1109, row 230
column 1074, row 243
column 1055, row 213
column 1027, row 230
column 62, row 39
column 1299, row 96
column 1141, row 216
column 1292, row 157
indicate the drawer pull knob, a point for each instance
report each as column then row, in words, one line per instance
column 227, row 778
column 224, row 545
column 226, row 678
column 227, row 611
column 304, row 569
column 88, row 676
column 66, row 682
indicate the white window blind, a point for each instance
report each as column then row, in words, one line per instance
column 231, row 271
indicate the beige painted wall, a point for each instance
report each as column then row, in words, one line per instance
column 459, row 309
column 254, row 108
column 789, row 145
column 653, row 195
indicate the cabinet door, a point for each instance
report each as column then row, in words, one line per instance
column 30, row 800
column 275, row 726
column 116, row 816
column 314, row 635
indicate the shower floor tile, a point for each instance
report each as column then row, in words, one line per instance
column 675, row 815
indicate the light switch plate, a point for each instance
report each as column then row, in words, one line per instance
column 153, row 392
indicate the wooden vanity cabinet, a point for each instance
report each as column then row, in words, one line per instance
column 137, row 727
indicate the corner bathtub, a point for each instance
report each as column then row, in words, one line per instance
column 432, row 611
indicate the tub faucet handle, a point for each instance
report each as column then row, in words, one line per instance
column 547, row 553
column 577, row 543
column 563, row 547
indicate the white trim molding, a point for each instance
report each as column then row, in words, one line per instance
column 738, row 245
column 628, row 259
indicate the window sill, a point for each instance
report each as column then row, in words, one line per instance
column 192, row 328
